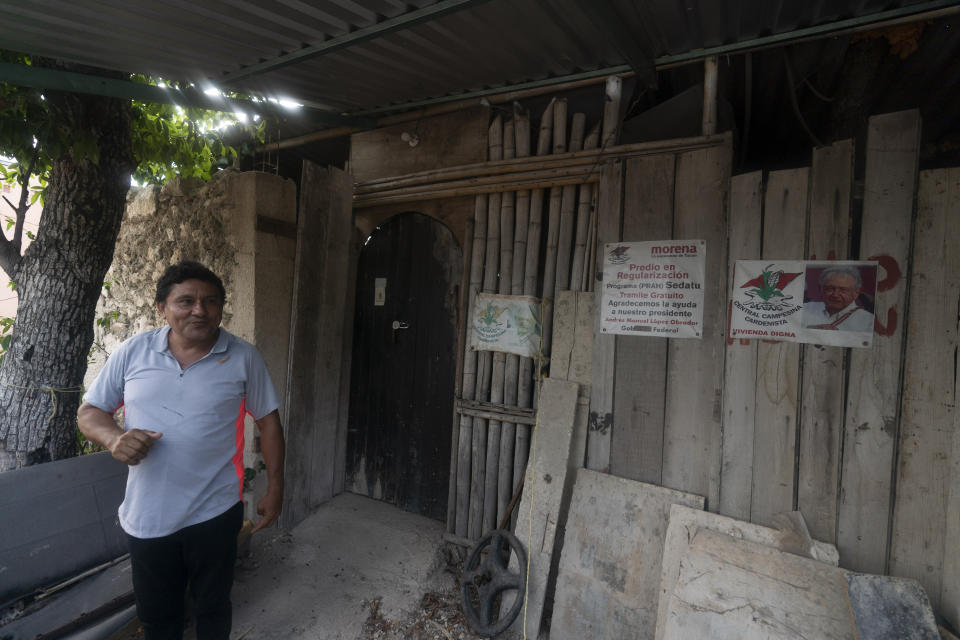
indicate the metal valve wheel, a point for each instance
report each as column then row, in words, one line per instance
column 487, row 577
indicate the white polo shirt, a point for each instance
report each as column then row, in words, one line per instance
column 195, row 471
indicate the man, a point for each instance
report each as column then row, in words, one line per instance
column 838, row 311
column 185, row 389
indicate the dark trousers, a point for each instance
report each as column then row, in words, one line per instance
column 201, row 555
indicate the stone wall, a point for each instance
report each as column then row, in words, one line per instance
column 239, row 224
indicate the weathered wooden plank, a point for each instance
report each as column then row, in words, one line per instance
column 609, row 216
column 564, row 321
column 640, row 381
column 740, row 364
column 930, row 417
column 447, row 140
column 684, row 524
column 316, row 341
column 463, row 313
column 693, row 414
column 824, row 368
column 778, row 363
column 950, row 594
column 873, row 396
column 609, row 575
column 730, row 588
column 543, row 488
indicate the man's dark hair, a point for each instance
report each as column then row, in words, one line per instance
column 187, row 270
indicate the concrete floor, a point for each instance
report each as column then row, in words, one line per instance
column 317, row 580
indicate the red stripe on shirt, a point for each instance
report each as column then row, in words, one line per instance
column 238, row 454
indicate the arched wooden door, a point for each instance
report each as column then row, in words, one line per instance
column 404, row 362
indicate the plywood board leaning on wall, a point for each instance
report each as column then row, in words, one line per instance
column 740, row 365
column 683, row 526
column 636, row 449
column 543, row 490
column 608, row 575
column 824, row 368
column 693, row 411
column 778, row 363
column 871, row 423
column 732, row 588
column 316, row 342
column 920, row 545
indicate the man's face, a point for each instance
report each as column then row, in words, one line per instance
column 839, row 290
column 193, row 309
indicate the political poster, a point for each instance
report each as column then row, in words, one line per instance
column 510, row 324
column 829, row 303
column 653, row 288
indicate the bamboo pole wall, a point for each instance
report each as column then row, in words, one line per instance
column 515, row 252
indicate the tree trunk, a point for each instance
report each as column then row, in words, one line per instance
column 58, row 282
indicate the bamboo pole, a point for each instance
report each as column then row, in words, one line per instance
column 553, row 239
column 587, row 174
column 582, row 233
column 568, row 212
column 468, row 390
column 506, row 167
column 530, row 276
column 546, row 130
column 484, row 361
column 560, row 126
column 495, row 471
column 462, row 350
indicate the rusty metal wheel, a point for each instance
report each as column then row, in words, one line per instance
column 487, row 578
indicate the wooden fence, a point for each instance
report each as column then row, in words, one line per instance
column 864, row 442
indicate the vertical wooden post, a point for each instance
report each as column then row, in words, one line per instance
column 610, row 206
column 691, row 452
column 740, row 365
column 463, row 349
column 778, row 363
column 920, row 545
column 824, row 368
column 873, row 397
column 636, row 445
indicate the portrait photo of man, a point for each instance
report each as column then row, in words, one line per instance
column 837, row 298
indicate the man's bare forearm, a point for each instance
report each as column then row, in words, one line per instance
column 129, row 447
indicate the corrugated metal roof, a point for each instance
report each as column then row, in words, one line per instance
column 372, row 62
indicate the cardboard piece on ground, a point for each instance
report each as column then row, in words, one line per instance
column 542, row 496
column 610, row 562
column 684, row 523
column 736, row 589
column 888, row 608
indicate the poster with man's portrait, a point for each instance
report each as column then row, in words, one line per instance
column 830, row 303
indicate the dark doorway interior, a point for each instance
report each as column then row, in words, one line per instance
column 404, row 364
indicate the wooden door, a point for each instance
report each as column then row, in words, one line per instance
column 402, row 379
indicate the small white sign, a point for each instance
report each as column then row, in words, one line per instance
column 510, row 324
column 653, row 288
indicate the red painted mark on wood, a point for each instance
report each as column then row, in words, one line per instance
column 892, row 268
column 891, row 326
